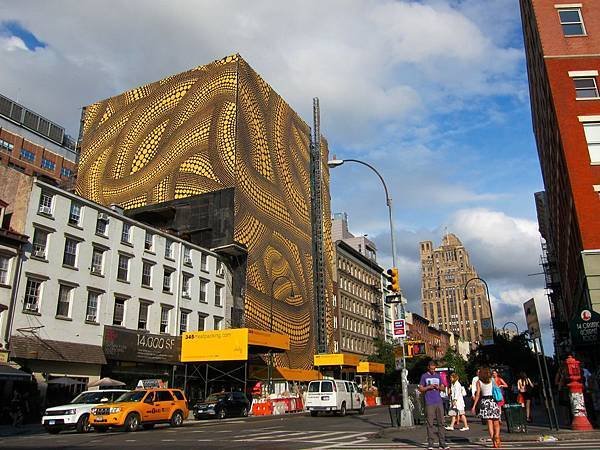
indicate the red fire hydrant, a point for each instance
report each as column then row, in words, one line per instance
column 580, row 420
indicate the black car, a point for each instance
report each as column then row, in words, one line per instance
column 221, row 405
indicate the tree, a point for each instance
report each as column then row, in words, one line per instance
column 457, row 363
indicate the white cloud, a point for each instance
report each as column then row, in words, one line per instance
column 11, row 43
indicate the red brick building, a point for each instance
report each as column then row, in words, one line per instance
column 436, row 341
column 562, row 42
column 34, row 145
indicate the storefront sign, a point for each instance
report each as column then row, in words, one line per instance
column 585, row 328
column 128, row 345
column 218, row 345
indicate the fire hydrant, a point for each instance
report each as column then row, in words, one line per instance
column 580, row 420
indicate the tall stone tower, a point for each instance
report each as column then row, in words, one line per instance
column 444, row 273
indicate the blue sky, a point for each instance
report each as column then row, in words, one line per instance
column 433, row 93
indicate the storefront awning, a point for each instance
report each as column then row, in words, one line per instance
column 284, row 373
column 370, row 367
column 230, row 345
column 336, row 359
column 35, row 348
column 11, row 373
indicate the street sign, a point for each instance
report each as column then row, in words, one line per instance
column 533, row 324
column 400, row 328
column 585, row 328
column 487, row 332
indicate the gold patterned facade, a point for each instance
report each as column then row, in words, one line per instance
column 213, row 127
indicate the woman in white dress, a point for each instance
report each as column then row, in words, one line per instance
column 457, row 404
column 488, row 408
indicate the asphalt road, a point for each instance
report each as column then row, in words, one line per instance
column 297, row 431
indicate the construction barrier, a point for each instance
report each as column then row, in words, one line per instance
column 262, row 408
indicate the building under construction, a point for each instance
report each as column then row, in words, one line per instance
column 216, row 156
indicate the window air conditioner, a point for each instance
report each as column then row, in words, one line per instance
column 39, row 252
column 45, row 209
column 90, row 318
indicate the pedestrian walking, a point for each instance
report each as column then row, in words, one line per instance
column 501, row 384
column 525, row 388
column 431, row 385
column 488, row 406
column 457, row 404
column 474, row 386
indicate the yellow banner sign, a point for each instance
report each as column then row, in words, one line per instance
column 370, row 367
column 218, row 345
column 268, row 339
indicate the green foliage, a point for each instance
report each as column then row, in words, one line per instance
column 455, row 361
column 384, row 354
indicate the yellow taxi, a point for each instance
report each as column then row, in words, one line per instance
column 142, row 407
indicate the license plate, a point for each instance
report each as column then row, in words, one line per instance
column 99, row 419
column 51, row 422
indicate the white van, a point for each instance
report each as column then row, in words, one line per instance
column 336, row 396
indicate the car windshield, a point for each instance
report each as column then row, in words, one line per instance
column 90, row 397
column 215, row 397
column 134, row 396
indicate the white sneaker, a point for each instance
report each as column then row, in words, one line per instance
column 449, row 428
column 465, row 429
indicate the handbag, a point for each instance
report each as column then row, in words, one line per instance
column 496, row 393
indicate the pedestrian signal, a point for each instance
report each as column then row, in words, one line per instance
column 414, row 349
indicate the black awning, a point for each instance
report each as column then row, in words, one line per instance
column 10, row 373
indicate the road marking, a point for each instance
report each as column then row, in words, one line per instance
column 130, row 440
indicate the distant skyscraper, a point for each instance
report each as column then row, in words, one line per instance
column 444, row 273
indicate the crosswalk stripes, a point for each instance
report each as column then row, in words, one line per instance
column 321, row 437
column 368, row 445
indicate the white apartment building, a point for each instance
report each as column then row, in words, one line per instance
column 87, row 267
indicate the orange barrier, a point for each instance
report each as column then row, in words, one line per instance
column 262, row 408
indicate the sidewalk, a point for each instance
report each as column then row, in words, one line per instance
column 478, row 433
column 28, row 429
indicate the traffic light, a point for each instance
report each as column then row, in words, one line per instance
column 392, row 278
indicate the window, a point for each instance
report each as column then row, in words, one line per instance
column 102, row 224
column 40, row 239
column 218, row 323
column 64, row 301
column 204, row 262
column 220, row 269
column 91, row 310
column 97, row 267
column 592, row 136
column 4, row 266
column 126, row 233
column 218, row 295
column 47, row 164
column 585, row 87
column 149, row 242
column 203, row 289
column 119, row 311
column 164, row 396
column 65, row 172
column 146, row 274
column 70, row 253
column 27, row 155
column 167, row 275
column 187, row 256
column 202, row 321
column 7, row 146
column 143, row 316
column 164, row 319
column 571, row 21
column 183, row 321
column 45, row 206
column 169, row 249
column 75, row 214
column 32, row 295
column 123, row 269
column 186, row 289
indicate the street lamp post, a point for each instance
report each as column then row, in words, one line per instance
column 487, row 291
column 270, row 366
column 406, row 418
column 509, row 323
